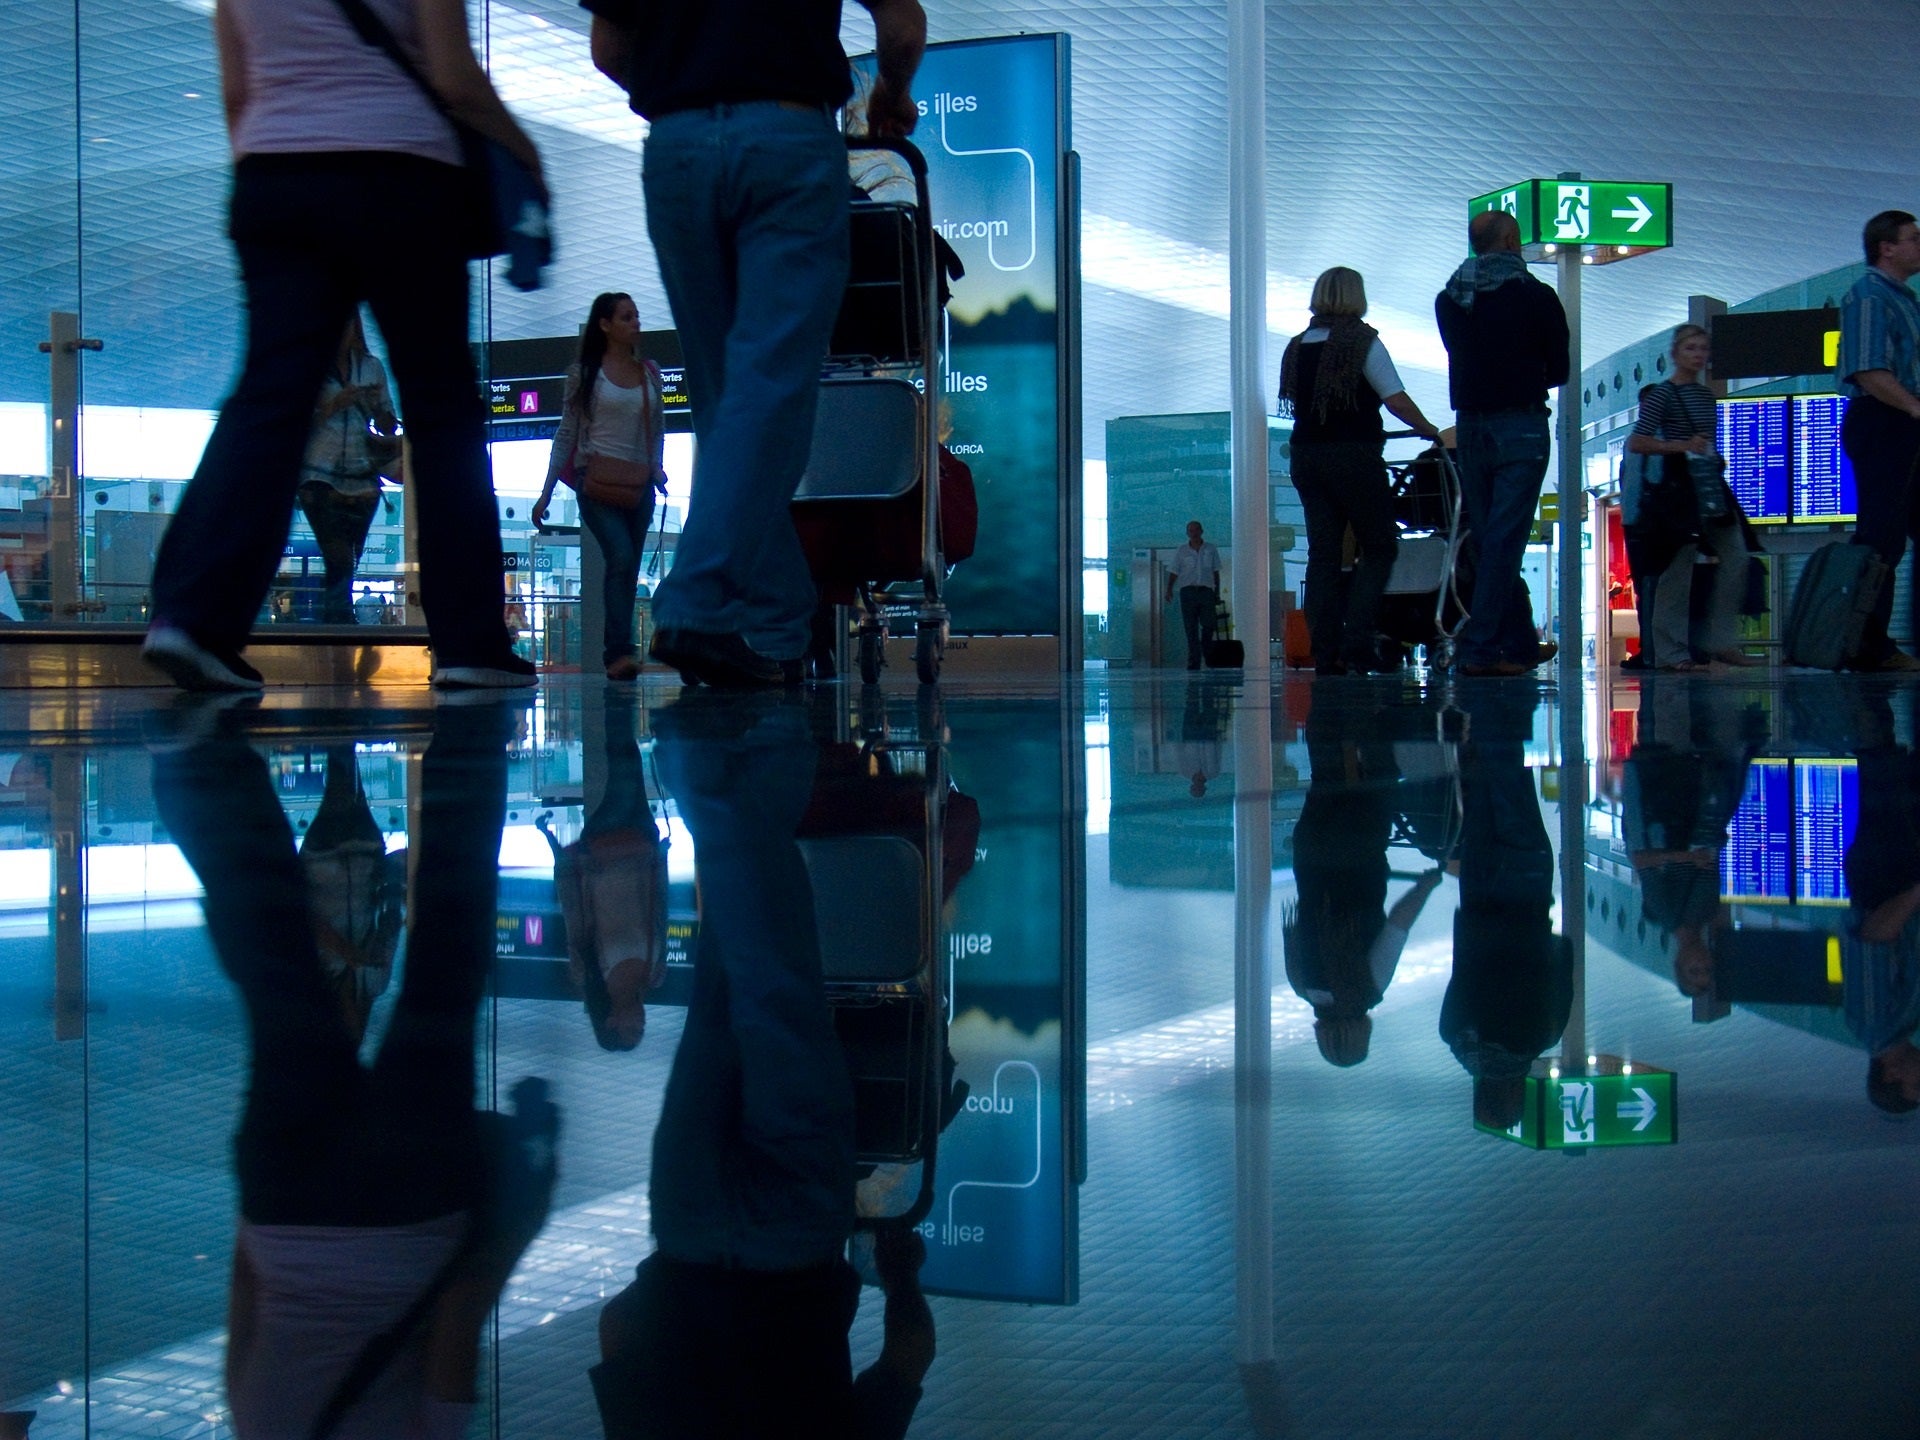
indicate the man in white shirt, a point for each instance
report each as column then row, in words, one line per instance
column 1196, row 575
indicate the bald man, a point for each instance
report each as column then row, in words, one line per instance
column 1507, row 346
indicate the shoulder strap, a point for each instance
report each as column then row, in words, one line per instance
column 373, row 30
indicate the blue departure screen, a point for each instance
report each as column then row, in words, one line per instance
column 1826, row 810
column 1753, row 437
column 1757, row 863
column 1823, row 487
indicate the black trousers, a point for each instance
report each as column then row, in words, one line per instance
column 1340, row 485
column 1884, row 446
column 316, row 235
column 324, row 1140
column 1199, row 604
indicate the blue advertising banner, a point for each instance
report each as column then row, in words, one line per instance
column 994, row 129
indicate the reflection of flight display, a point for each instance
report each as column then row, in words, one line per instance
column 1788, row 840
column 1826, row 809
column 1757, row 864
column 1753, row 437
column 1823, row 487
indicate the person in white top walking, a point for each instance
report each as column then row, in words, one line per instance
column 1195, row 573
column 610, row 449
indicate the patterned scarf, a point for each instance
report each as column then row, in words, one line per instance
column 1343, row 358
column 1484, row 272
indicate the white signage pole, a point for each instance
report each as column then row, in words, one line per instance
column 1573, row 752
column 1247, row 308
column 1253, row 725
column 1572, row 611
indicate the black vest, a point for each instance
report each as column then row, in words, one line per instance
column 1355, row 423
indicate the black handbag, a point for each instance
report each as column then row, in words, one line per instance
column 509, row 211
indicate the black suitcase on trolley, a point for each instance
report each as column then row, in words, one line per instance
column 1837, row 592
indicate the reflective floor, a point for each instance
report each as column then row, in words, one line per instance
column 1147, row 1057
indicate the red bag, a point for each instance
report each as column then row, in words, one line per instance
column 959, row 509
column 878, row 541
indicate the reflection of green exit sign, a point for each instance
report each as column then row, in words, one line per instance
column 1606, row 213
column 1597, row 1112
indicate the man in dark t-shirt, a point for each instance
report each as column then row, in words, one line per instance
column 1507, row 346
column 745, row 177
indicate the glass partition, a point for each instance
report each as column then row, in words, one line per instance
column 114, row 176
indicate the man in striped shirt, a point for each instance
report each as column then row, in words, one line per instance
column 1880, row 370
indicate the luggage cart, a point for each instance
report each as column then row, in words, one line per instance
column 868, row 504
column 1424, row 601
column 872, row 840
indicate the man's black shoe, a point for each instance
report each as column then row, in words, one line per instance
column 724, row 661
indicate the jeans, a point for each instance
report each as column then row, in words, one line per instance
column 1199, row 604
column 324, row 1140
column 1503, row 461
column 1341, row 485
column 753, row 1158
column 622, row 538
column 316, row 234
column 340, row 524
column 1884, row 446
column 1666, row 607
column 747, row 209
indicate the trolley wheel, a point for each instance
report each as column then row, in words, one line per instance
column 926, row 653
column 872, row 655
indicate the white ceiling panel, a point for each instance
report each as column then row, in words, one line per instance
column 1781, row 123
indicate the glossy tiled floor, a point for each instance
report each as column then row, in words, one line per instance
column 1520, row 1085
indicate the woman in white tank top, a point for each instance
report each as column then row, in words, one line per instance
column 613, row 410
column 347, row 188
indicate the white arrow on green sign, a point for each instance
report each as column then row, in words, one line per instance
column 1633, row 213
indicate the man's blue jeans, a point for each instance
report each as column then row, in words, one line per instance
column 1503, row 460
column 747, row 209
column 753, row 1158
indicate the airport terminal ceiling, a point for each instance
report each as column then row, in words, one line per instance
column 1780, row 126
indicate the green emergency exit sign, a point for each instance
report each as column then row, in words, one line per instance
column 1635, row 1106
column 1616, row 215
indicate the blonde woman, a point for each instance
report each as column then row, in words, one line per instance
column 1335, row 378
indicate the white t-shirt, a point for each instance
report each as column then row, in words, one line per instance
column 1195, row 567
column 1378, row 367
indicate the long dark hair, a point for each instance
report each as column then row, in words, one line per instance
column 593, row 348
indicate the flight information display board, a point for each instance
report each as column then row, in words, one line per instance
column 1823, row 484
column 1753, row 437
column 1756, row 866
column 1826, row 810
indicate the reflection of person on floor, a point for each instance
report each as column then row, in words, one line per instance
column 1881, row 942
column 352, row 447
column 737, row 1324
column 356, row 891
column 1512, row 985
column 380, row 1212
column 612, row 884
column 1682, row 784
column 1199, row 754
column 1342, row 943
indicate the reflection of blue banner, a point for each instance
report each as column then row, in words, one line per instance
column 1004, row 1222
column 993, row 128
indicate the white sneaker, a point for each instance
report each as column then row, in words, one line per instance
column 508, row 672
column 192, row 666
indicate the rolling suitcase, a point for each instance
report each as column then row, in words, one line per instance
column 1223, row 652
column 1837, row 592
